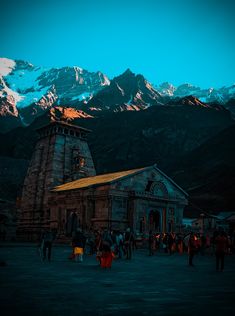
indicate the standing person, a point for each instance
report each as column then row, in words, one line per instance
column 107, row 237
column 119, row 242
column 98, row 244
column 79, row 241
column 221, row 246
column 180, row 244
column 191, row 249
column 128, row 240
column 47, row 240
column 164, row 242
column 157, row 242
column 91, row 242
column 107, row 255
column 170, row 242
column 150, row 242
column 208, row 242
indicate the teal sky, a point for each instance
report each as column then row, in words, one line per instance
column 176, row 40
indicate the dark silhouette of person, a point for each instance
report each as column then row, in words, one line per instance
column 221, row 246
column 191, row 249
column 47, row 240
column 150, row 242
column 79, row 241
column 128, row 240
column 170, row 241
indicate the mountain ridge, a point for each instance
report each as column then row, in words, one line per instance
column 27, row 91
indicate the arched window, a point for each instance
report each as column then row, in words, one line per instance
column 159, row 189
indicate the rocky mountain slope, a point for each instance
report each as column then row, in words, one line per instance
column 126, row 92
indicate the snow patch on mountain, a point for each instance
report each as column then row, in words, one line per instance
column 104, row 79
column 21, row 80
column 6, row 66
column 32, row 97
column 5, row 92
column 78, row 71
column 120, row 89
column 95, row 109
column 83, row 97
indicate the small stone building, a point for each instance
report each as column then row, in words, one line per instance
column 143, row 199
column 62, row 190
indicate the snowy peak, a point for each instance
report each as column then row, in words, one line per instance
column 32, row 90
column 221, row 95
column 166, row 89
column 28, row 84
column 28, row 91
column 6, row 66
column 126, row 92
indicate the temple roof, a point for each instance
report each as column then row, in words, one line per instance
column 109, row 178
column 97, row 180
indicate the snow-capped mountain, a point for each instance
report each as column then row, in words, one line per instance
column 127, row 92
column 26, row 88
column 29, row 84
column 221, row 95
column 27, row 91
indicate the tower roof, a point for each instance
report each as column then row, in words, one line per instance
column 63, row 124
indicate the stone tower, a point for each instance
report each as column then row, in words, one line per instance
column 61, row 155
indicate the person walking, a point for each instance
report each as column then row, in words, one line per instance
column 180, row 245
column 47, row 240
column 79, row 241
column 170, row 243
column 221, row 247
column 164, row 242
column 151, row 243
column 191, row 249
column 119, row 242
column 128, row 240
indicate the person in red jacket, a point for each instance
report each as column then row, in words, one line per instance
column 221, row 247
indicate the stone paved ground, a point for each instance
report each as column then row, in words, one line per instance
column 158, row 285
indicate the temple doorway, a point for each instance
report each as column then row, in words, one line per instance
column 72, row 222
column 154, row 221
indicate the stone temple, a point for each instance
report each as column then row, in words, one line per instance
column 62, row 191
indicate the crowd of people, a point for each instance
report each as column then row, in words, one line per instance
column 107, row 245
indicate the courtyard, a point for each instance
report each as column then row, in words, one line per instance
column 157, row 285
